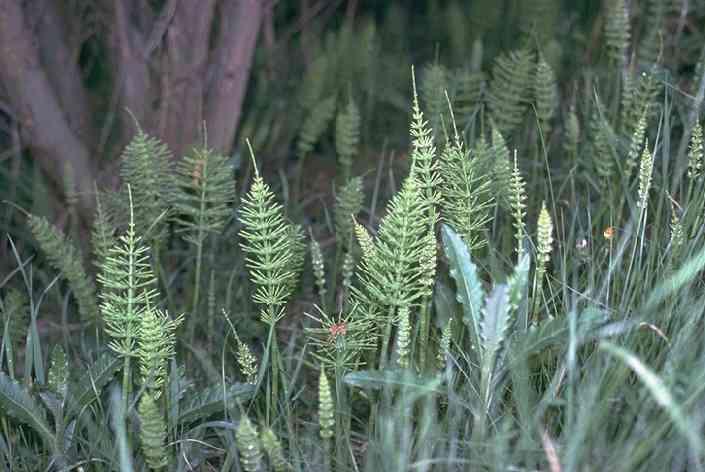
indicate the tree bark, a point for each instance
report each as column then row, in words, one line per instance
column 59, row 63
column 240, row 22
column 184, row 74
column 133, row 80
column 43, row 124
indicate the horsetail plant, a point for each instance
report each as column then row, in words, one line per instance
column 272, row 446
column 543, row 254
column 319, row 270
column 152, row 433
column 246, row 360
column 517, row 188
column 347, row 136
column 268, row 247
column 206, row 191
column 248, row 445
column 273, row 256
column 128, row 293
column 401, row 242
column 466, row 198
column 64, row 256
column 156, row 347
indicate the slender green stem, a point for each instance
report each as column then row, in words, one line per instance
column 424, row 332
column 384, row 354
column 125, row 382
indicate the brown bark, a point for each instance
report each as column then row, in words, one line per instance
column 60, row 64
column 183, row 77
column 43, row 124
column 240, row 22
column 132, row 68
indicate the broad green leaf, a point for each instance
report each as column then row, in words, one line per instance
column 202, row 404
column 378, row 379
column 17, row 403
column 495, row 321
column 91, row 384
column 469, row 287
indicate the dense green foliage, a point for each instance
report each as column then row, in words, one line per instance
column 523, row 290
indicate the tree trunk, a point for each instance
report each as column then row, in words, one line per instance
column 240, row 22
column 204, row 71
column 43, row 124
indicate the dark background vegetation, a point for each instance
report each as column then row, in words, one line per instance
column 77, row 77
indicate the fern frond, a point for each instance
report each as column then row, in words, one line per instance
column 509, row 88
column 64, row 256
